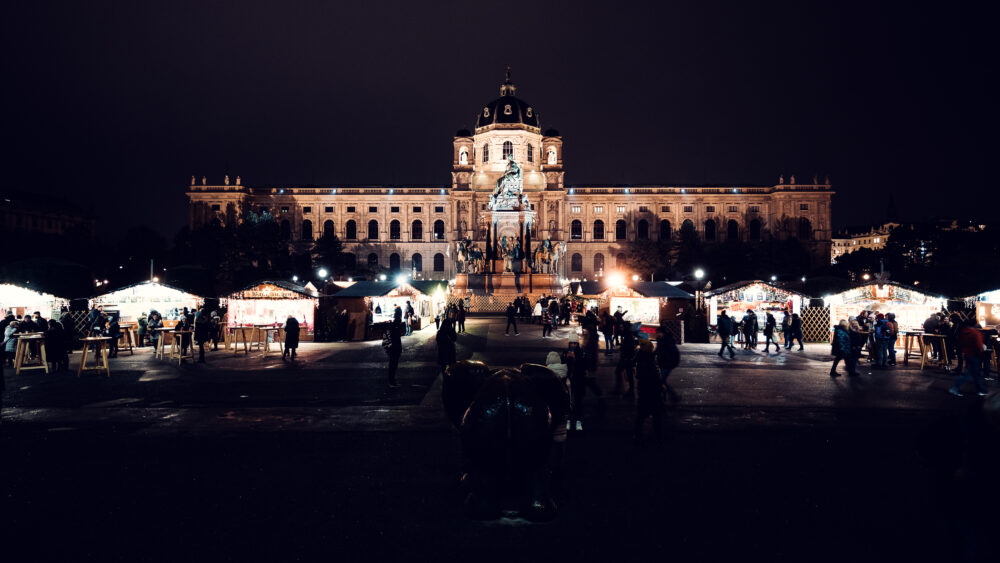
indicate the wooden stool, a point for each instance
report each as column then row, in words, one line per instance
column 258, row 339
column 239, row 334
column 20, row 362
column 126, row 340
column 100, row 344
column 177, row 346
column 161, row 343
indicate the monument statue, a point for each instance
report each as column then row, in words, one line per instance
column 506, row 195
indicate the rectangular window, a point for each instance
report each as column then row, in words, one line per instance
column 284, row 209
column 688, row 209
column 307, row 209
column 576, row 209
column 621, row 209
column 418, row 209
column 372, row 209
column 329, row 209
column 532, row 206
column 664, row 209
column 598, row 209
column 643, row 209
column 216, row 207
column 803, row 207
column 393, row 210
column 350, row 209
column 733, row 209
column 709, row 209
column 754, row 209
column 438, row 210
column 483, row 207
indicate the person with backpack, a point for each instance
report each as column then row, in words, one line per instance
column 668, row 357
column 882, row 336
column 392, row 343
column 725, row 328
column 446, row 338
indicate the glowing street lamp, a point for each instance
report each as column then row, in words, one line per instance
column 699, row 273
column 866, row 277
column 774, row 278
column 635, row 277
column 381, row 277
column 295, row 278
column 322, row 273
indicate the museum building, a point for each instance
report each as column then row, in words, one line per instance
column 415, row 228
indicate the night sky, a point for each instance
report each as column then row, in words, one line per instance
column 116, row 105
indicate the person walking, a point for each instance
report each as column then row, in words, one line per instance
column 446, row 338
column 769, row 326
column 625, row 370
column 546, row 323
column 408, row 313
column 202, row 332
column 786, row 329
column 970, row 345
column 461, row 315
column 292, row 330
column 607, row 328
column 668, row 357
column 392, row 342
column 536, row 312
column 649, row 400
column 841, row 349
column 511, row 320
column 797, row 330
column 725, row 328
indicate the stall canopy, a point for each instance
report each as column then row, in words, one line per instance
column 21, row 300
column 383, row 296
column 133, row 300
column 910, row 306
column 646, row 302
column 271, row 302
column 988, row 308
column 761, row 296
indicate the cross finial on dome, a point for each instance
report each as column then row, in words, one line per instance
column 507, row 88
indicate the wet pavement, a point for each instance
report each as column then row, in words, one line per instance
column 766, row 457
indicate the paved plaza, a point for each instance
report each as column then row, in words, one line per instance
column 319, row 458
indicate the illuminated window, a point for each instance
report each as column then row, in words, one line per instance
column 621, row 209
column 598, row 209
column 552, row 155
column 486, row 153
column 463, row 156
column 733, row 209
column 576, row 209
column 531, row 149
column 284, row 209
column 508, row 148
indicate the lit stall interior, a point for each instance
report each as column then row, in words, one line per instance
column 910, row 306
column 988, row 309
column 25, row 301
column 271, row 303
column 760, row 296
column 134, row 300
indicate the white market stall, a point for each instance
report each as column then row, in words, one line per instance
column 988, row 309
column 369, row 304
column 132, row 301
column 758, row 295
column 910, row 306
column 21, row 301
column 270, row 303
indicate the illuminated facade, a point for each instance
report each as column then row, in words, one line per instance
column 874, row 239
column 415, row 228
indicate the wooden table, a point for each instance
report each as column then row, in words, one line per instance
column 926, row 346
column 24, row 340
column 237, row 334
column 128, row 338
column 101, row 345
column 910, row 338
column 262, row 337
column 177, row 346
column 164, row 333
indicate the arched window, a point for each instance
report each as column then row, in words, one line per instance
column 351, row 230
column 598, row 230
column 439, row 262
column 642, row 230
column 805, row 229
column 328, row 230
column 286, row 229
column 373, row 259
column 755, row 230
column 417, row 230
column 350, row 261
column 373, row 229
column 621, row 231
column 598, row 263
column 463, row 156
column 486, row 153
column 531, row 153
column 665, row 230
column 710, row 230
column 508, row 149
column 394, row 262
column 687, row 225
column 439, row 230
column 418, row 263
column 620, row 261
column 307, row 230
column 732, row 230
column 576, row 230
column 393, row 230
column 552, row 155
column 576, row 263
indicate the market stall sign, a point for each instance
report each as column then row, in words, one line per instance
column 267, row 291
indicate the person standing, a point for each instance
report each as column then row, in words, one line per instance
column 114, row 331
column 511, row 320
column 881, row 334
column 890, row 319
column 408, row 313
column 841, row 349
column 461, row 315
column 725, row 328
column 608, row 330
column 649, row 402
column 446, row 338
column 143, row 330
column 397, row 314
column 202, row 332
column 797, row 330
column 970, row 345
column 393, row 344
column 57, row 345
column 769, row 325
column 546, row 323
column 291, row 337
column 786, row 329
column 625, row 370
column 668, row 357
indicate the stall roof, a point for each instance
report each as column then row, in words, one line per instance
column 911, row 288
column 586, row 288
column 301, row 290
column 429, row 287
column 150, row 283
column 368, row 289
column 660, row 289
column 742, row 284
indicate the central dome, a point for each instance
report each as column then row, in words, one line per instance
column 507, row 109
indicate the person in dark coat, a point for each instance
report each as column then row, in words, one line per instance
column 797, row 330
column 115, row 332
column 143, row 330
column 393, row 344
column 769, row 326
column 841, row 349
column 625, row 370
column 511, row 320
column 649, row 402
column 725, row 327
column 57, row 345
column 291, row 336
column 668, row 357
column 202, row 332
column 155, row 322
column 397, row 314
column 446, row 337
